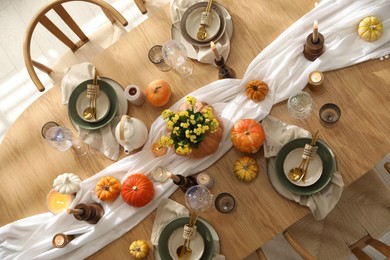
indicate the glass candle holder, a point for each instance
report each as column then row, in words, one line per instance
column 225, row 202
column 155, row 56
column 329, row 115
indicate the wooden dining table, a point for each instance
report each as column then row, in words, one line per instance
column 359, row 140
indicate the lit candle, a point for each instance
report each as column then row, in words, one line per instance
column 160, row 174
column 315, row 32
column 58, row 202
column 205, row 180
column 316, row 80
column 215, row 51
column 61, row 240
column 159, row 150
column 174, row 177
column 134, row 94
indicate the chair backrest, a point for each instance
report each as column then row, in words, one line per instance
column 42, row 18
column 357, row 248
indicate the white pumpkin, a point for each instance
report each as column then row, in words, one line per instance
column 67, row 183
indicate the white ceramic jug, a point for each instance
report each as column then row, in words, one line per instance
column 131, row 133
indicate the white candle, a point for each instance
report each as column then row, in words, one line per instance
column 134, row 94
column 173, row 177
column 315, row 32
column 215, row 51
column 205, row 180
column 160, row 174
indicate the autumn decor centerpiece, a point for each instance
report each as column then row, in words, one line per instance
column 194, row 130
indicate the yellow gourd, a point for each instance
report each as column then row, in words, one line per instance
column 139, row 249
column 246, row 168
column 370, row 28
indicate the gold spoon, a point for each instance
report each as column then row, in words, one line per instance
column 90, row 112
column 202, row 33
column 298, row 173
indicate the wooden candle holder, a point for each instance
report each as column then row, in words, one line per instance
column 312, row 50
column 225, row 72
column 60, row 240
column 185, row 182
column 90, row 213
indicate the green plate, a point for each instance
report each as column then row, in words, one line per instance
column 74, row 116
column 328, row 161
column 179, row 223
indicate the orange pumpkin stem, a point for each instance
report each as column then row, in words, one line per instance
column 106, row 187
column 254, row 87
column 155, row 90
column 135, row 188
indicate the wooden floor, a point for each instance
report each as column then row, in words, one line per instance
column 16, row 89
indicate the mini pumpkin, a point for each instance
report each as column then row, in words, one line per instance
column 370, row 28
column 247, row 135
column 256, row 90
column 137, row 190
column 246, row 168
column 158, row 93
column 108, row 188
column 67, row 183
column 139, row 249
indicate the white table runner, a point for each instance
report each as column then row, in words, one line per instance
column 281, row 65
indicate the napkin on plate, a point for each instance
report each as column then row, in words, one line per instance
column 166, row 212
column 102, row 139
column 205, row 55
column 279, row 133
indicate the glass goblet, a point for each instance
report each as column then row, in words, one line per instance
column 175, row 55
column 198, row 198
column 62, row 138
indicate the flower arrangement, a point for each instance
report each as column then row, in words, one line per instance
column 188, row 127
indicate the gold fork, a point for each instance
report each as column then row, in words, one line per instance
column 202, row 33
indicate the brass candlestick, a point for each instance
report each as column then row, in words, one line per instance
column 313, row 50
column 225, row 72
column 90, row 213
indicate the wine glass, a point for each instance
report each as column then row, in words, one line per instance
column 198, row 198
column 175, row 55
column 62, row 138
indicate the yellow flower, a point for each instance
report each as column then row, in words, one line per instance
column 170, row 124
column 166, row 141
column 183, row 113
column 166, row 114
column 191, row 101
column 175, row 118
column 193, row 139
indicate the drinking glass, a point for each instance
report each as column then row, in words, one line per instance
column 62, row 138
column 300, row 106
column 225, row 202
column 329, row 115
column 156, row 57
column 175, row 55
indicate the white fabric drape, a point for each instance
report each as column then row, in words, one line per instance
column 281, row 65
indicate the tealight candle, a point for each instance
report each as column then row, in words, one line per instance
column 159, row 150
column 205, row 180
column 58, row 202
column 160, row 174
column 60, row 240
column 316, row 80
column 215, row 51
column 134, row 94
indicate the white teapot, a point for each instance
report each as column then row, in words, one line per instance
column 131, row 133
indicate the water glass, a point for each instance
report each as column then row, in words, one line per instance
column 156, row 57
column 329, row 115
column 225, row 202
column 300, row 106
column 62, row 138
column 175, row 55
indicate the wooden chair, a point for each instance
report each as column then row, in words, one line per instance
column 362, row 213
column 57, row 6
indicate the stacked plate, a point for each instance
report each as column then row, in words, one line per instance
column 107, row 103
column 320, row 170
column 202, row 246
column 186, row 30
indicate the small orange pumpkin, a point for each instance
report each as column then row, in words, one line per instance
column 108, row 188
column 137, row 190
column 256, row 90
column 247, row 135
column 158, row 93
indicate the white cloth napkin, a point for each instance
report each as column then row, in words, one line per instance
column 167, row 211
column 102, row 139
column 278, row 134
column 205, row 55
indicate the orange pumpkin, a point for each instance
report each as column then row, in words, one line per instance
column 158, row 93
column 210, row 143
column 256, row 90
column 247, row 135
column 137, row 190
column 108, row 188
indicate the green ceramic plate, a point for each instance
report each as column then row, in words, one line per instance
column 72, row 109
column 328, row 161
column 179, row 223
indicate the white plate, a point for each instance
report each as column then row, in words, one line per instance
column 193, row 24
column 294, row 158
column 176, row 240
column 102, row 105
